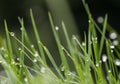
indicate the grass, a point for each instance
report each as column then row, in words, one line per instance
column 95, row 60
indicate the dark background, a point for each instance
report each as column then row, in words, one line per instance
column 11, row 9
column 97, row 8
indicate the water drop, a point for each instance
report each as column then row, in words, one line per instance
column 12, row 34
column 87, row 60
column 117, row 62
column 111, row 51
column 34, row 60
column 3, row 62
column 100, row 61
column 42, row 70
column 95, row 39
column 25, row 79
column 113, row 35
column 112, row 46
column 97, row 65
column 13, row 62
column 89, row 21
column 83, row 44
column 57, row 28
column 115, row 42
column 0, row 61
column 109, row 71
column 2, row 48
column 32, row 46
column 19, row 49
column 63, row 48
column 104, row 58
column 100, row 19
column 21, row 28
column 62, row 68
column 73, row 36
column 18, row 59
column 39, row 41
column 36, row 54
column 20, row 66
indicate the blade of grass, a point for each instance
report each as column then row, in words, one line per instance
column 103, row 35
column 8, row 42
column 67, row 38
column 37, row 36
column 53, row 62
column 63, row 58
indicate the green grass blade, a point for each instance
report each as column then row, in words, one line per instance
column 103, row 35
column 8, row 42
column 53, row 62
column 37, row 36
column 67, row 38
column 22, row 37
column 63, row 58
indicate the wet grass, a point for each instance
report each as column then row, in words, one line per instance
column 91, row 61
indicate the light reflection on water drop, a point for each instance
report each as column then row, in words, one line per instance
column 104, row 58
column 36, row 54
column 112, row 46
column 13, row 62
column 25, row 79
column 100, row 61
column 109, row 71
column 115, row 42
column 62, row 68
column 83, row 44
column 117, row 62
column 111, row 51
column 74, row 37
column 21, row 28
column 18, row 59
column 97, row 65
column 19, row 49
column 34, row 60
column 89, row 21
column 2, row 48
column 57, row 28
column 0, row 61
column 42, row 70
column 113, row 35
column 100, row 19
column 12, row 34
column 32, row 46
